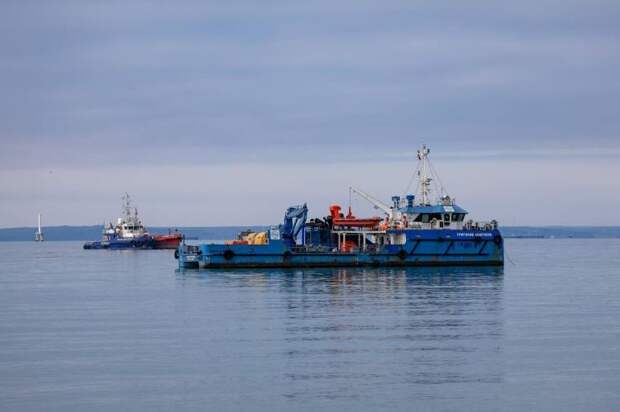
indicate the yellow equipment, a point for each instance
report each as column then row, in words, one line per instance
column 256, row 238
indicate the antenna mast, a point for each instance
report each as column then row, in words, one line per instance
column 427, row 175
column 126, row 206
column 424, row 172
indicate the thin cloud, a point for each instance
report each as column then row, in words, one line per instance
column 112, row 84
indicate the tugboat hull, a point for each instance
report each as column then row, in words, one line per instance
column 145, row 242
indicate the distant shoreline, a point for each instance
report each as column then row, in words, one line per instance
column 83, row 233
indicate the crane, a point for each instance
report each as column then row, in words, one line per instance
column 391, row 211
column 294, row 222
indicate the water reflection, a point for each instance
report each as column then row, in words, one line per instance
column 342, row 329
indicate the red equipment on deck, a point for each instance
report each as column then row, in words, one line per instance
column 351, row 221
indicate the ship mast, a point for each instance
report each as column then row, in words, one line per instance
column 428, row 180
column 424, row 175
column 127, row 207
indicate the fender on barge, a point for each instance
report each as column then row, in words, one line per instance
column 422, row 233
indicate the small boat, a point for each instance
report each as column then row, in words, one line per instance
column 130, row 233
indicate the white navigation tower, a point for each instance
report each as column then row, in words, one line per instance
column 38, row 235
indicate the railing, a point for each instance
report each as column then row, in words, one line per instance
column 481, row 226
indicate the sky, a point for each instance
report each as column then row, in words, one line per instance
column 225, row 113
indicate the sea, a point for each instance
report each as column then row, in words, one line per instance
column 101, row 330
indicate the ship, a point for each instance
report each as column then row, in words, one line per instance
column 427, row 228
column 130, row 233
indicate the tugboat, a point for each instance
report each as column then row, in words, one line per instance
column 129, row 233
column 416, row 230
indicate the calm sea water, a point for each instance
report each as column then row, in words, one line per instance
column 123, row 330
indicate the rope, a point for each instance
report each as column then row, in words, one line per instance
column 415, row 172
column 508, row 257
column 436, row 175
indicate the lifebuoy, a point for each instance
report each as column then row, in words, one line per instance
column 229, row 254
column 402, row 254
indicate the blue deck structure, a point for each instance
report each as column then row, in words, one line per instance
column 410, row 234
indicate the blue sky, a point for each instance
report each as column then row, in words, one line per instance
column 226, row 112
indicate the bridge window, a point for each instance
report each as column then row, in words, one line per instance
column 422, row 218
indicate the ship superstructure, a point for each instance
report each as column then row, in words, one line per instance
column 426, row 228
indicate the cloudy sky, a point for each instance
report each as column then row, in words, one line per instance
column 226, row 112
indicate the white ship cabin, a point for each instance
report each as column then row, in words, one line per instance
column 445, row 215
column 130, row 229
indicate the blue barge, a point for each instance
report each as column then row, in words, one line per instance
column 422, row 233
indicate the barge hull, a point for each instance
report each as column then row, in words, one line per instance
column 421, row 249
